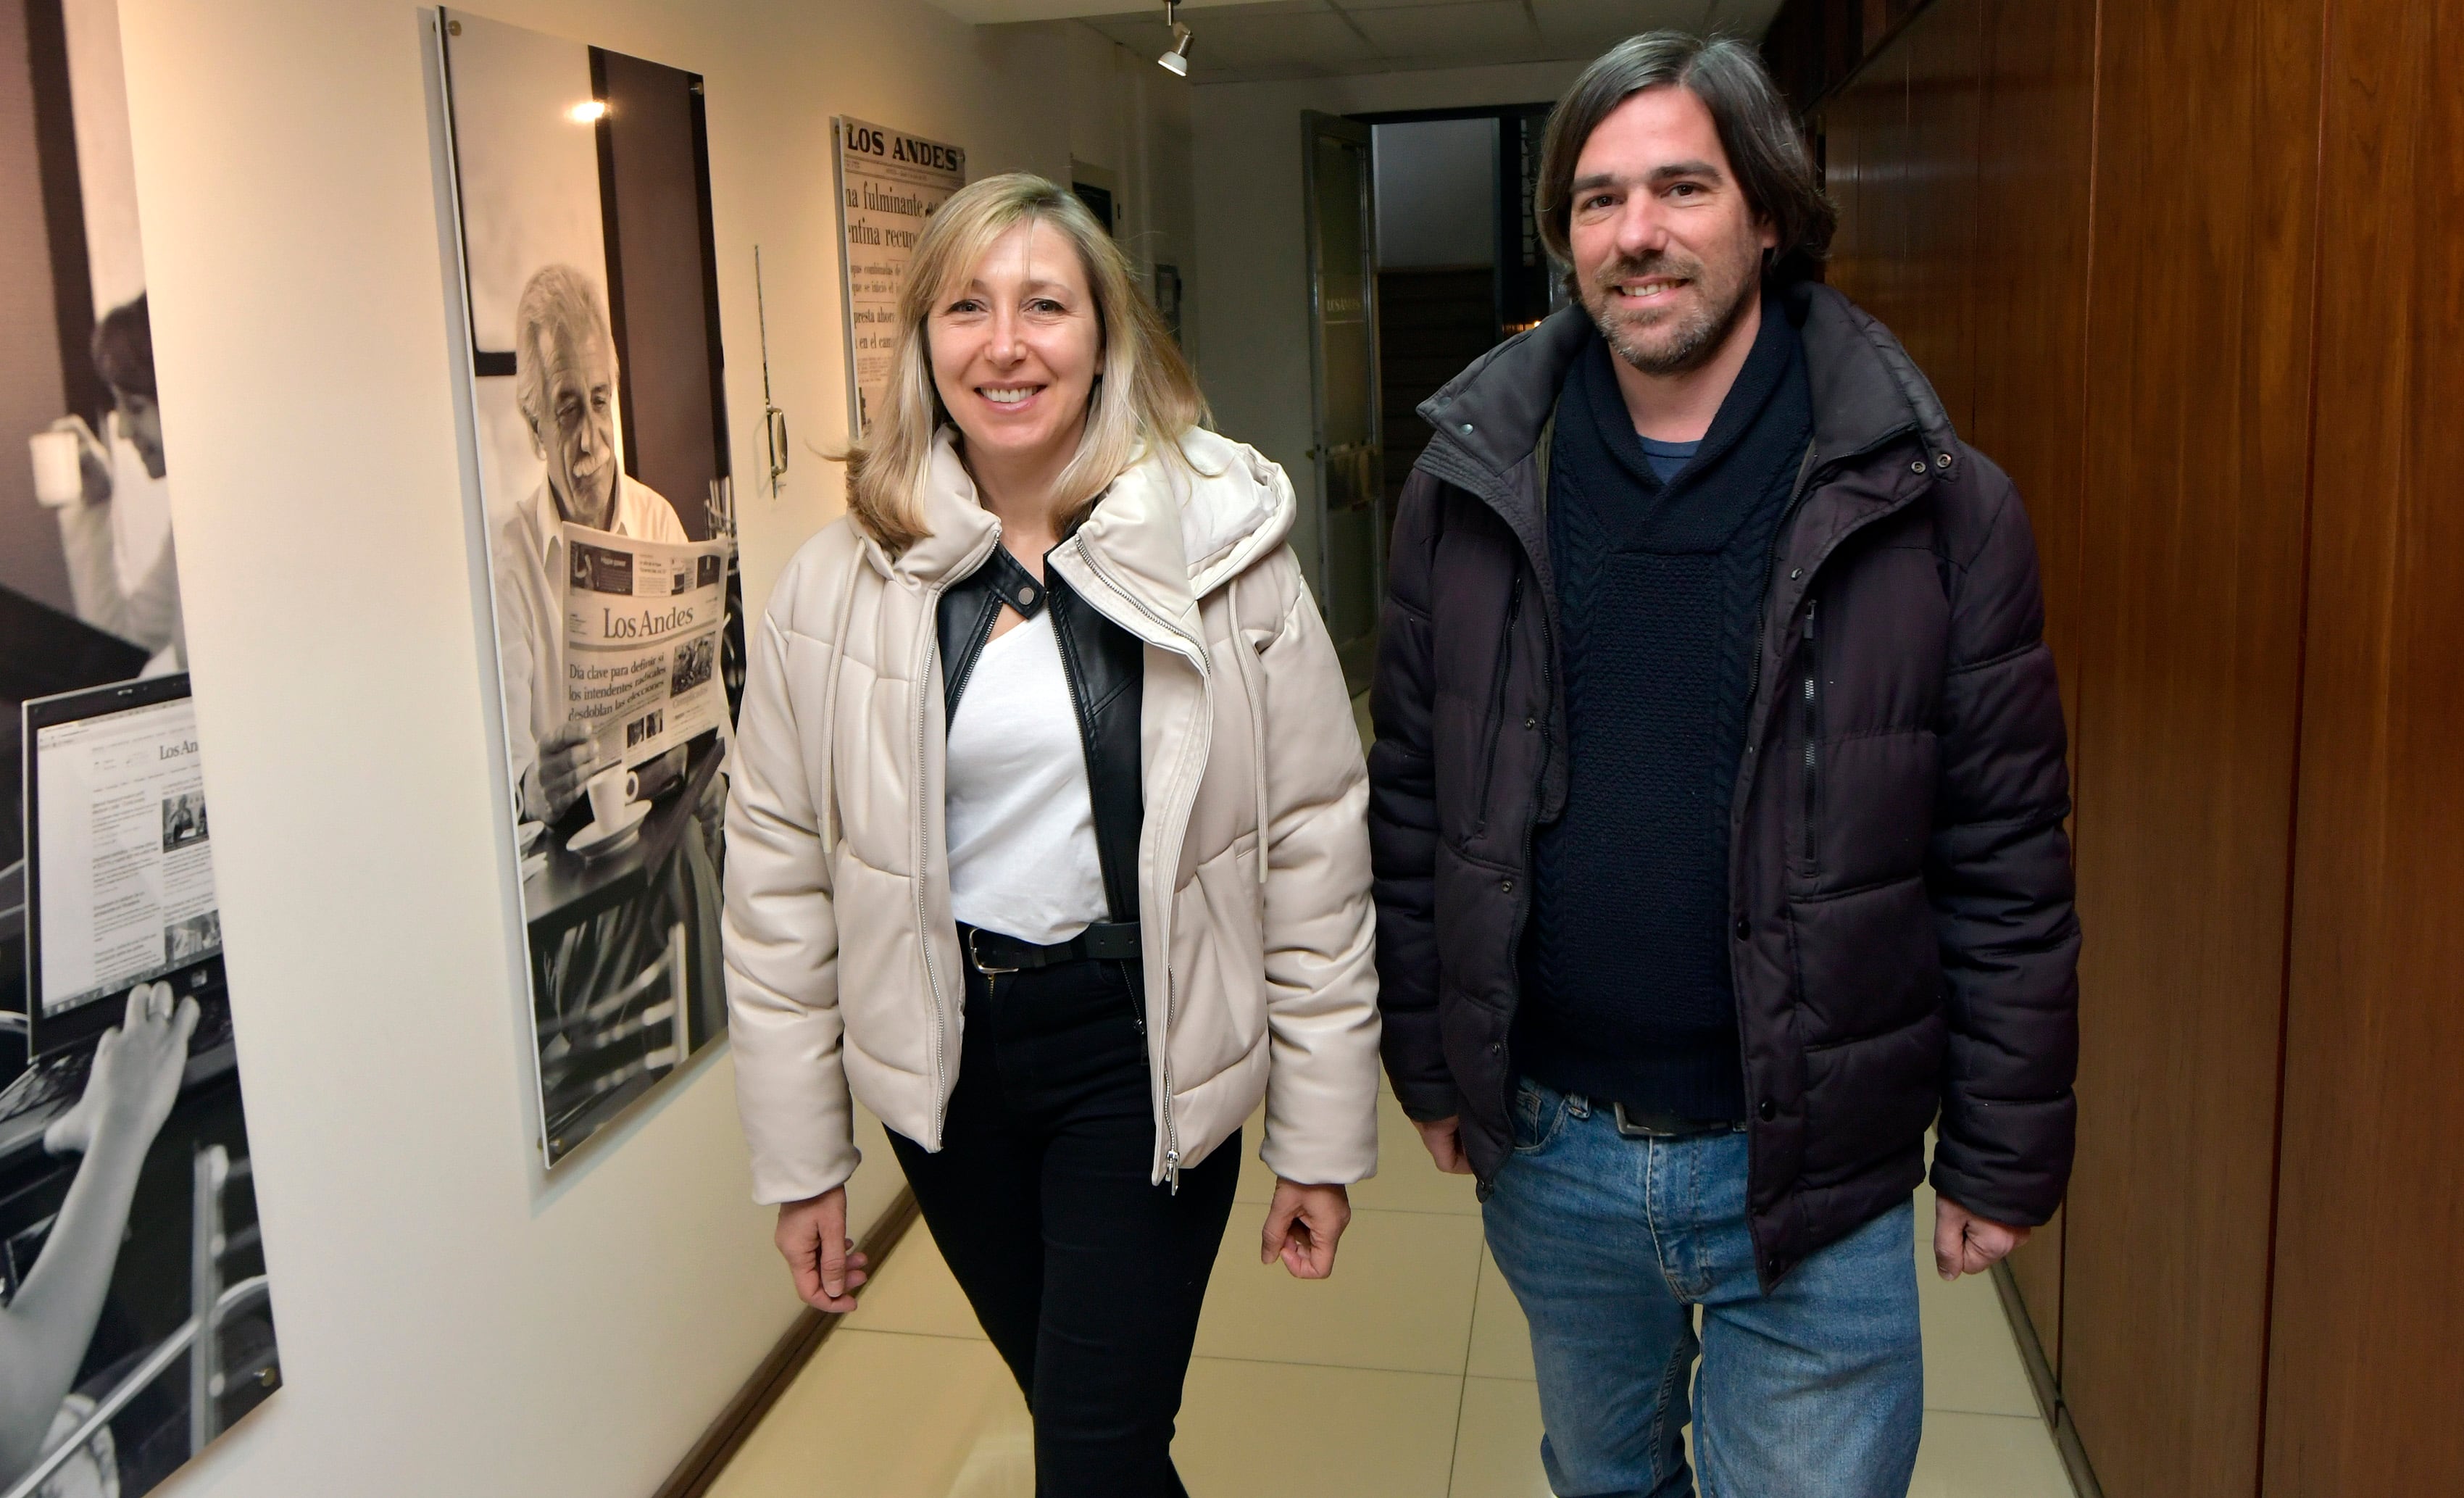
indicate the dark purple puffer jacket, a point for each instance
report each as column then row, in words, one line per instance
column 1904, row 943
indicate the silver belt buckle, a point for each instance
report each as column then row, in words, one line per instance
column 1636, row 1128
column 976, row 958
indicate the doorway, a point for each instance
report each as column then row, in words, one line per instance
column 1460, row 266
column 1424, row 254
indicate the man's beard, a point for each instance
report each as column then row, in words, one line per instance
column 1691, row 338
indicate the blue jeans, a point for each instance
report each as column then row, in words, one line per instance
column 1814, row 1389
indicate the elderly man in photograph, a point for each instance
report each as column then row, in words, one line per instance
column 1717, row 806
column 564, row 378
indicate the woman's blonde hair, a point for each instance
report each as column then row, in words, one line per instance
column 1143, row 393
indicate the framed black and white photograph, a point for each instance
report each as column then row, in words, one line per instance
column 136, row 1317
column 581, row 193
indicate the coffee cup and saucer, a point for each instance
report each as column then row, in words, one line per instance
column 615, row 814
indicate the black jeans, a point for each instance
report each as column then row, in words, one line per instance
column 1088, row 1279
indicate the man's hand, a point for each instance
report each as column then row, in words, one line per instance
column 1303, row 1225
column 566, row 759
column 1965, row 1244
column 1444, row 1140
column 812, row 1238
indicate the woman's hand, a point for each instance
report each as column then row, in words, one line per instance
column 812, row 1238
column 135, row 1079
column 1302, row 1226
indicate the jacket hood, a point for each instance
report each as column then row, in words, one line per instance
column 1224, row 506
column 1171, row 531
column 1866, row 389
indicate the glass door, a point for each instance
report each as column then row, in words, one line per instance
column 1347, row 453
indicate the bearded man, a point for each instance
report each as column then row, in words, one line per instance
column 1717, row 806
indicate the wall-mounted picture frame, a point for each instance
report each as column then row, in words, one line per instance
column 132, row 1264
column 889, row 184
column 588, row 276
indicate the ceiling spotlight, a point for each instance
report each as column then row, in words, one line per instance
column 1177, row 60
column 588, row 112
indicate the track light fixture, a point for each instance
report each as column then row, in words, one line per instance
column 1177, row 60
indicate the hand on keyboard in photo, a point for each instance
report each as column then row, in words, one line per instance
column 135, row 1078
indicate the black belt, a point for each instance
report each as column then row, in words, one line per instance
column 1106, row 940
column 1638, row 1124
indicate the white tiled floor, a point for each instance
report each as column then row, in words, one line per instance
column 1405, row 1374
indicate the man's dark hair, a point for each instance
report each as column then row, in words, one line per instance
column 124, row 348
column 1764, row 146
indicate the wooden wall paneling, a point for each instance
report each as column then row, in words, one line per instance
column 1902, row 141
column 2196, row 422
column 1937, row 291
column 2366, row 1378
column 2036, row 141
column 1848, row 129
column 1870, row 117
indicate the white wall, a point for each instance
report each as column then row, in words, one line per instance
column 1251, row 303
column 1130, row 119
column 452, row 1321
column 106, row 188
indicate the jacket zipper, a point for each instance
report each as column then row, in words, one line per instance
column 1813, row 739
column 1779, row 538
column 1770, row 565
column 979, row 634
column 1497, row 697
column 1171, row 983
column 1532, row 827
column 1077, row 694
column 1062, row 633
column 923, row 927
column 1475, row 479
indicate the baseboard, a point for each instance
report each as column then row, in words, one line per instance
column 2048, row 1392
column 693, row 1476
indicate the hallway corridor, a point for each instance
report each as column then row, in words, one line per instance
column 1406, row 1376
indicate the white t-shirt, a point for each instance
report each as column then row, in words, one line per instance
column 1021, row 824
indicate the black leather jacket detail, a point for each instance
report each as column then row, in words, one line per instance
column 1105, row 666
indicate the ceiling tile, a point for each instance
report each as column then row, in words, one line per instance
column 1488, row 29
column 1299, row 39
column 1588, row 26
column 1239, row 41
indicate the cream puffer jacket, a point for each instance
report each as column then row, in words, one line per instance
column 842, row 962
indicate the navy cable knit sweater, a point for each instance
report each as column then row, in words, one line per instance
column 1628, row 995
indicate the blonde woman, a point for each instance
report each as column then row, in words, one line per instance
column 1047, row 840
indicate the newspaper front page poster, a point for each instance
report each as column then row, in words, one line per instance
column 889, row 183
